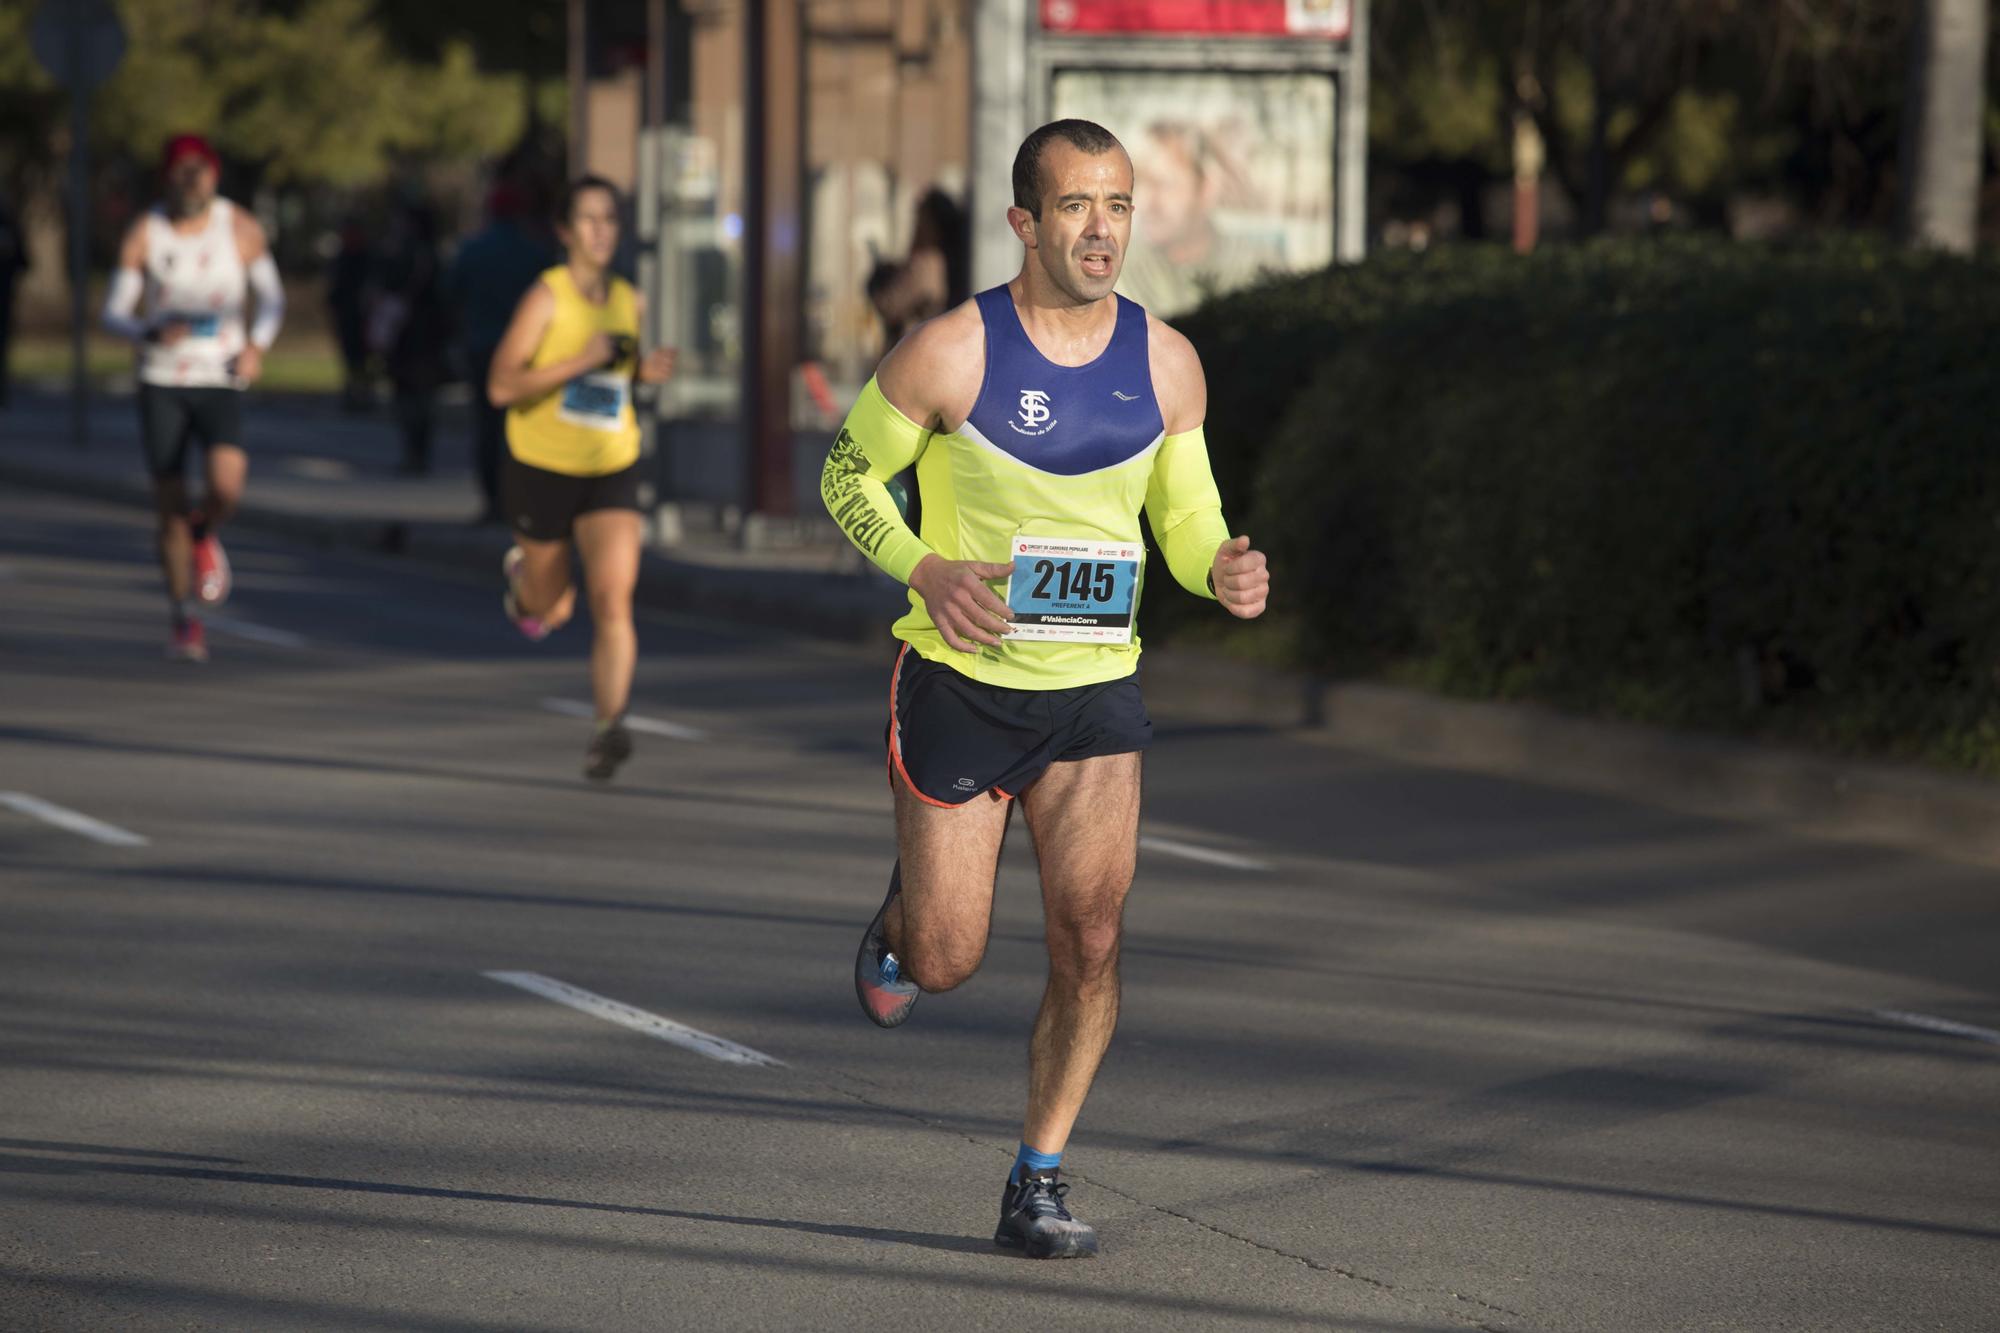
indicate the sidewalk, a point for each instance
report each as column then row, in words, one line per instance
column 329, row 477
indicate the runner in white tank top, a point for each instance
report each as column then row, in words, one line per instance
column 200, row 279
column 186, row 274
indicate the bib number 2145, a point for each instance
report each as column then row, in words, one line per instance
column 1072, row 590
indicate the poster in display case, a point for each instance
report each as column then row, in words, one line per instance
column 1234, row 173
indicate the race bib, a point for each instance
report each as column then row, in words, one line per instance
column 1073, row 591
column 595, row 401
column 204, row 326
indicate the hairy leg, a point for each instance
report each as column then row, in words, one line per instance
column 938, row 926
column 1084, row 818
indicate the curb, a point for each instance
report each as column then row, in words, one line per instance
column 1933, row 813
column 1937, row 814
column 846, row 607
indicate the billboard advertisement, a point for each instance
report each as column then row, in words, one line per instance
column 1234, row 173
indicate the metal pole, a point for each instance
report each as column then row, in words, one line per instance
column 579, row 89
column 1351, row 190
column 79, row 241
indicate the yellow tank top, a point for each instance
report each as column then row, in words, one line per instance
column 585, row 428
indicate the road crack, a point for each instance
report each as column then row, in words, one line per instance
column 1480, row 1323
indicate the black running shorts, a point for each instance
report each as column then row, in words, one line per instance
column 952, row 739
column 543, row 506
column 171, row 418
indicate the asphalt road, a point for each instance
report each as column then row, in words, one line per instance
column 1409, row 1050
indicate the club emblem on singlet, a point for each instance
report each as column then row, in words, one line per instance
column 1036, row 416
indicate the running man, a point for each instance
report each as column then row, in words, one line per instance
column 1042, row 416
column 193, row 260
column 563, row 371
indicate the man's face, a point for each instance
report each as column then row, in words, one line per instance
column 1086, row 219
column 592, row 231
column 190, row 184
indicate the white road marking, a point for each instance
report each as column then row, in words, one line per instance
column 65, row 818
column 1206, row 855
column 1944, row 1025
column 611, row 1011
column 652, row 726
column 243, row 629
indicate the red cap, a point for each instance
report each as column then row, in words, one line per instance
column 188, row 145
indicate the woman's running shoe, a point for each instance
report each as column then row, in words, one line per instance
column 609, row 747
column 530, row 626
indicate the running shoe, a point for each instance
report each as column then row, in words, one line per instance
column 189, row 643
column 610, row 747
column 886, row 995
column 1034, row 1219
column 531, row 626
column 211, row 570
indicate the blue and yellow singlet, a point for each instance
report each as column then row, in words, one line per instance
column 1051, row 458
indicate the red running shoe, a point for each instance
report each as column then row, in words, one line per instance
column 189, row 643
column 211, row 571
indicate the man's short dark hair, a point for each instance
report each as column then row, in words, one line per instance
column 566, row 203
column 1030, row 182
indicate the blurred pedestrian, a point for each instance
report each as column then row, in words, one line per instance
column 346, row 300
column 196, row 260
column 933, row 278
column 409, row 329
column 564, row 372
column 485, row 282
column 13, row 261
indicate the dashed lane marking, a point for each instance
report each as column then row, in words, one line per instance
column 1205, row 855
column 1943, row 1025
column 244, row 629
column 651, row 726
column 65, row 818
column 652, row 1025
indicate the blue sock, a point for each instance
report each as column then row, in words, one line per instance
column 1034, row 1161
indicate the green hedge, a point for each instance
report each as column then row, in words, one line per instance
column 1681, row 481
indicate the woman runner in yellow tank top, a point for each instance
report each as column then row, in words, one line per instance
column 564, row 372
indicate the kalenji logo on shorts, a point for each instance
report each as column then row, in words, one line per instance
column 966, row 784
column 1036, row 416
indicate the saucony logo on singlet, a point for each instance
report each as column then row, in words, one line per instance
column 1124, row 397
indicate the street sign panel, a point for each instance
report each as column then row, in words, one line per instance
column 79, row 42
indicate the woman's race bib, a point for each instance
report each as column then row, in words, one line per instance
column 1072, row 590
column 595, row 401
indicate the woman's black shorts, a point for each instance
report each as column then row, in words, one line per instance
column 543, row 506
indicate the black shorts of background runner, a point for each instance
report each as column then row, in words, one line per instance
column 543, row 506
column 951, row 738
column 171, row 418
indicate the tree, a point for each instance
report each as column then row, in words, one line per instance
column 1943, row 124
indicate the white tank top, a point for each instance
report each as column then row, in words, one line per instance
column 197, row 277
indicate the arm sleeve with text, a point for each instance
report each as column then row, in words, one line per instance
column 1185, row 510
column 875, row 444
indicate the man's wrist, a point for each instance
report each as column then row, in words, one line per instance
column 1210, row 577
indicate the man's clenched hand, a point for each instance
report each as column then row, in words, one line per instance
column 1241, row 578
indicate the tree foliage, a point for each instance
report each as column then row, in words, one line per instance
column 311, row 92
column 1697, row 98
